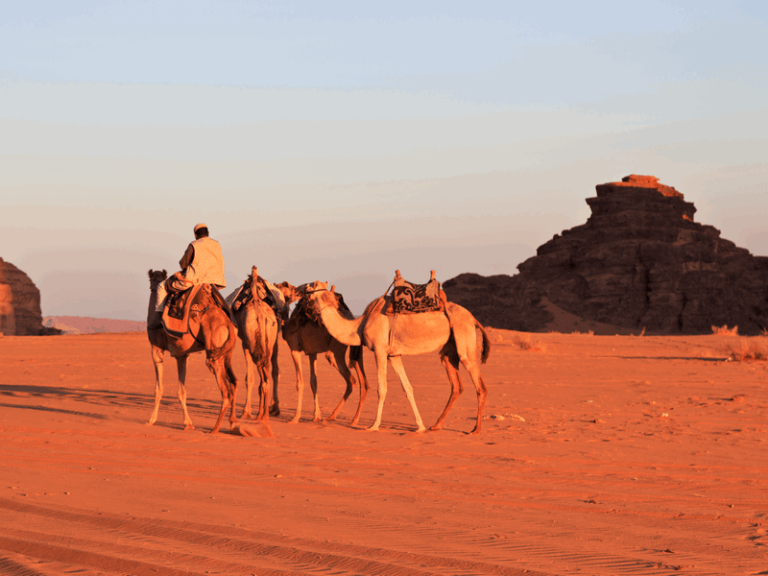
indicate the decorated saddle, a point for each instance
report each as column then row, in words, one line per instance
column 179, row 308
column 410, row 298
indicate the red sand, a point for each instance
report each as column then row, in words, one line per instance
column 637, row 455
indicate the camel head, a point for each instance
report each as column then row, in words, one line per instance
column 290, row 293
column 156, row 277
column 319, row 296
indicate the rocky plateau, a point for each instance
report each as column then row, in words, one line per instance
column 639, row 263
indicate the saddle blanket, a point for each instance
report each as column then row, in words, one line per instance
column 177, row 307
column 410, row 298
column 265, row 291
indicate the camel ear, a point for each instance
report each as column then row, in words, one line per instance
column 397, row 274
column 431, row 275
column 165, row 274
column 254, row 272
column 333, row 288
column 150, row 273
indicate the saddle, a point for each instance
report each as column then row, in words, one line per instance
column 245, row 295
column 179, row 310
column 304, row 313
column 410, row 298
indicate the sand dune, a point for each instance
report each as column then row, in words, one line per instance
column 600, row 455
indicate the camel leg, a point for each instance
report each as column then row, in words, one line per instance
column 363, row 380
column 181, row 367
column 466, row 348
column 450, row 361
column 477, row 379
column 397, row 366
column 275, row 409
column 296, row 355
column 230, row 373
column 219, row 372
column 381, row 365
column 157, row 360
column 313, row 385
column 340, row 365
column 250, row 380
column 264, row 390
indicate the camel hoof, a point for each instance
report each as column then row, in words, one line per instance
column 189, row 427
column 420, row 430
column 372, row 429
column 436, row 428
column 274, row 411
column 294, row 420
column 150, row 423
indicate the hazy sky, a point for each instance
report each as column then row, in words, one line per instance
column 341, row 140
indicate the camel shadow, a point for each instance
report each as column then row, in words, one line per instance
column 699, row 358
column 94, row 397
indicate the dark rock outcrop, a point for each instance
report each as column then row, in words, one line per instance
column 20, row 313
column 640, row 261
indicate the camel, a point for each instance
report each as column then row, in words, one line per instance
column 258, row 325
column 312, row 338
column 390, row 337
column 210, row 330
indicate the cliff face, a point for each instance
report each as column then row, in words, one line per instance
column 20, row 313
column 640, row 261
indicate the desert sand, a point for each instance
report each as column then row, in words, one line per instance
column 600, row 455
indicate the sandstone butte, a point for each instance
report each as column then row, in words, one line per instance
column 640, row 262
column 20, row 313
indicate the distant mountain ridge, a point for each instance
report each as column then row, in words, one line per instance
column 88, row 325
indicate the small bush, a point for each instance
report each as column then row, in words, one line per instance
column 749, row 350
column 725, row 331
column 525, row 342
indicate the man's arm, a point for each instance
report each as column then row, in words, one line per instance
column 189, row 255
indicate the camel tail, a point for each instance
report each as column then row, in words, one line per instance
column 486, row 344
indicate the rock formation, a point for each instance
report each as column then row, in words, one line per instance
column 20, row 313
column 639, row 262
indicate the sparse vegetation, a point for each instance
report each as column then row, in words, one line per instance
column 749, row 350
column 525, row 342
column 725, row 331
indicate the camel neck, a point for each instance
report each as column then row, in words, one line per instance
column 344, row 330
column 152, row 313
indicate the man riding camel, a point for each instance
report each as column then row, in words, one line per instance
column 202, row 263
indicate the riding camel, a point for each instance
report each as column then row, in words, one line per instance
column 258, row 326
column 393, row 336
column 312, row 338
column 210, row 330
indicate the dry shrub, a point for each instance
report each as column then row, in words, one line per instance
column 525, row 342
column 588, row 333
column 749, row 349
column 725, row 331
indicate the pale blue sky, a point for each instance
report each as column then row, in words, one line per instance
column 121, row 120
